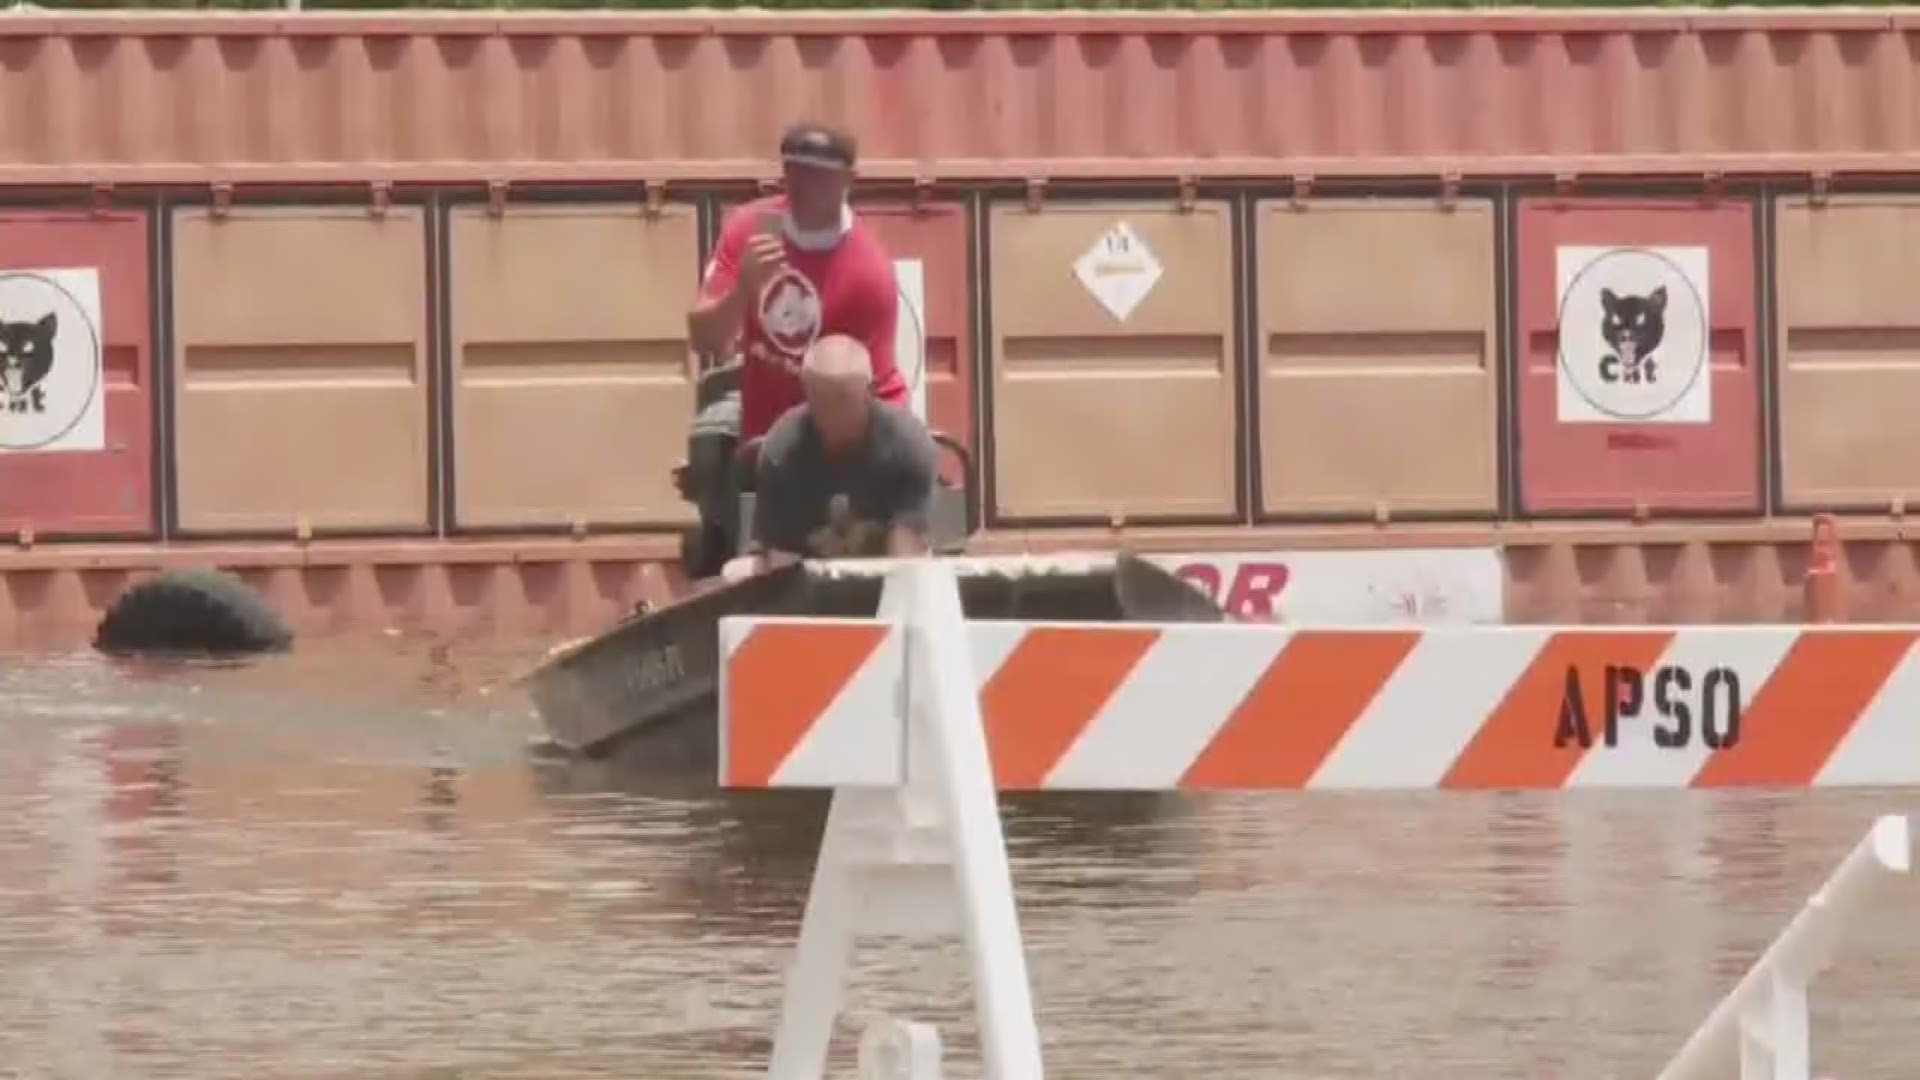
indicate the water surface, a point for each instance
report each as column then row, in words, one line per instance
column 344, row 864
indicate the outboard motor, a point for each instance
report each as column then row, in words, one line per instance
column 710, row 479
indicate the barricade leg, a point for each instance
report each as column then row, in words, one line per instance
column 924, row 859
column 948, row 738
column 1763, row 1020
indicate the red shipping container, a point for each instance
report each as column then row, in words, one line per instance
column 454, row 97
column 1710, row 463
column 935, row 233
column 85, row 492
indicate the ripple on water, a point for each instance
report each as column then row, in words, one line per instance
column 343, row 865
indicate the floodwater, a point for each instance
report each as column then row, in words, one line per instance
column 344, row 864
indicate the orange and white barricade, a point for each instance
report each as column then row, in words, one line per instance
column 916, row 717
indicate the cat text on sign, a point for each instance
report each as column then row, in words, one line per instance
column 1119, row 270
column 52, row 396
column 1633, row 335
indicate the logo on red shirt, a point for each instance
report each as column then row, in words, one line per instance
column 790, row 316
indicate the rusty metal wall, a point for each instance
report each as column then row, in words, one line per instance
column 572, row 379
column 1384, row 309
column 1113, row 414
column 105, row 492
column 1847, row 350
column 54, row 596
column 301, row 371
column 937, row 234
column 197, row 98
column 1620, row 466
column 336, row 368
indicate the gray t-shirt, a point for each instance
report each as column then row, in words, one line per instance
column 888, row 478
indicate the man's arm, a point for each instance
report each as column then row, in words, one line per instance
column 767, row 548
column 773, row 513
column 715, row 318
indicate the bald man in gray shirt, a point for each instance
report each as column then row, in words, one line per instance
column 843, row 474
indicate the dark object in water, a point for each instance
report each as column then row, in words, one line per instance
column 656, row 674
column 201, row 612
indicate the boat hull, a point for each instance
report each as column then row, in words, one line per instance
column 653, row 677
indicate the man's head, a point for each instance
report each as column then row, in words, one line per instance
column 838, row 376
column 817, row 163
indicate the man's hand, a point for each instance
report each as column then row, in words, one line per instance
column 742, row 567
column 906, row 542
column 766, row 253
column 745, row 566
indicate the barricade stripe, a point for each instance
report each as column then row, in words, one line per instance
column 1047, row 692
column 1300, row 708
column 784, row 676
column 1430, row 709
column 1820, row 690
column 1517, row 745
column 1884, row 745
column 1168, row 708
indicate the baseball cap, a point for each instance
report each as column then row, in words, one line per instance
column 818, row 144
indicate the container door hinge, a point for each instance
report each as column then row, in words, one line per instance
column 1036, row 193
column 1449, row 190
column 1300, row 191
column 221, row 199
column 380, row 199
column 1188, row 194
column 496, row 198
column 654, row 198
column 1821, row 188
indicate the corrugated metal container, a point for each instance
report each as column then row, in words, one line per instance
column 1114, row 410
column 1378, row 348
column 936, row 234
column 1848, row 349
column 572, row 379
column 301, row 388
column 1599, row 434
column 90, row 492
column 268, row 97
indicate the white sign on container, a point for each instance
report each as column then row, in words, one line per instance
column 1408, row 586
column 52, row 392
column 1119, row 270
column 910, row 331
column 1633, row 329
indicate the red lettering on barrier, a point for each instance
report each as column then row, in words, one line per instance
column 1203, row 577
column 1256, row 587
column 1254, row 593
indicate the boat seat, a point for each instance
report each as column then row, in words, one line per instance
column 952, row 524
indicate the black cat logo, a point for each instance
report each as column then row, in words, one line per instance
column 1633, row 327
column 26, row 358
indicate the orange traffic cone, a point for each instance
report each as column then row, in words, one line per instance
column 1822, row 585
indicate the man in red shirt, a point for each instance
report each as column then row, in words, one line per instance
column 791, row 268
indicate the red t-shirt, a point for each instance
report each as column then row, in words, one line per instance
column 848, row 288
